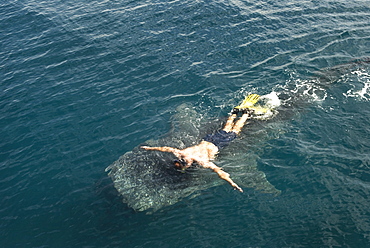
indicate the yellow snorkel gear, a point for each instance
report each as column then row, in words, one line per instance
column 249, row 101
column 256, row 111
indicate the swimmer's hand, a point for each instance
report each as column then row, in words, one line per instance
column 223, row 175
column 145, row 147
column 238, row 188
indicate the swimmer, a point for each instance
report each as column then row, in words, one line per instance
column 206, row 151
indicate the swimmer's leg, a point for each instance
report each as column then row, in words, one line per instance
column 229, row 123
column 240, row 123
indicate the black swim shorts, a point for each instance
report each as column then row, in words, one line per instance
column 221, row 138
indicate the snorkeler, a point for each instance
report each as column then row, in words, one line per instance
column 207, row 149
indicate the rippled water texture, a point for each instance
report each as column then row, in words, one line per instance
column 84, row 82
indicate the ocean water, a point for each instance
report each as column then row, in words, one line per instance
column 84, row 82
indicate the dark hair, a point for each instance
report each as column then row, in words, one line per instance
column 180, row 163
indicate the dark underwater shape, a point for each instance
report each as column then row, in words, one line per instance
column 147, row 180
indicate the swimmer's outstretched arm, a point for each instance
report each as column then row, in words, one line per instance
column 161, row 149
column 222, row 174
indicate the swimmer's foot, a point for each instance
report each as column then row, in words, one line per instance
column 248, row 111
column 235, row 111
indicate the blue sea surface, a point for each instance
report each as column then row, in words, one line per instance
column 84, row 82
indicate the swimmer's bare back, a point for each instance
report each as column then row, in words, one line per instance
column 200, row 154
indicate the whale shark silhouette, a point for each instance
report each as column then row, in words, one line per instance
column 147, row 180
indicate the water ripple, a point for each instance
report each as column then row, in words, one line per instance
column 84, row 82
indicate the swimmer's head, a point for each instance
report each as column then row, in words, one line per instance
column 179, row 164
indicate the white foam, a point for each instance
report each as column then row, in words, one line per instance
column 361, row 88
column 311, row 89
column 266, row 107
column 271, row 100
